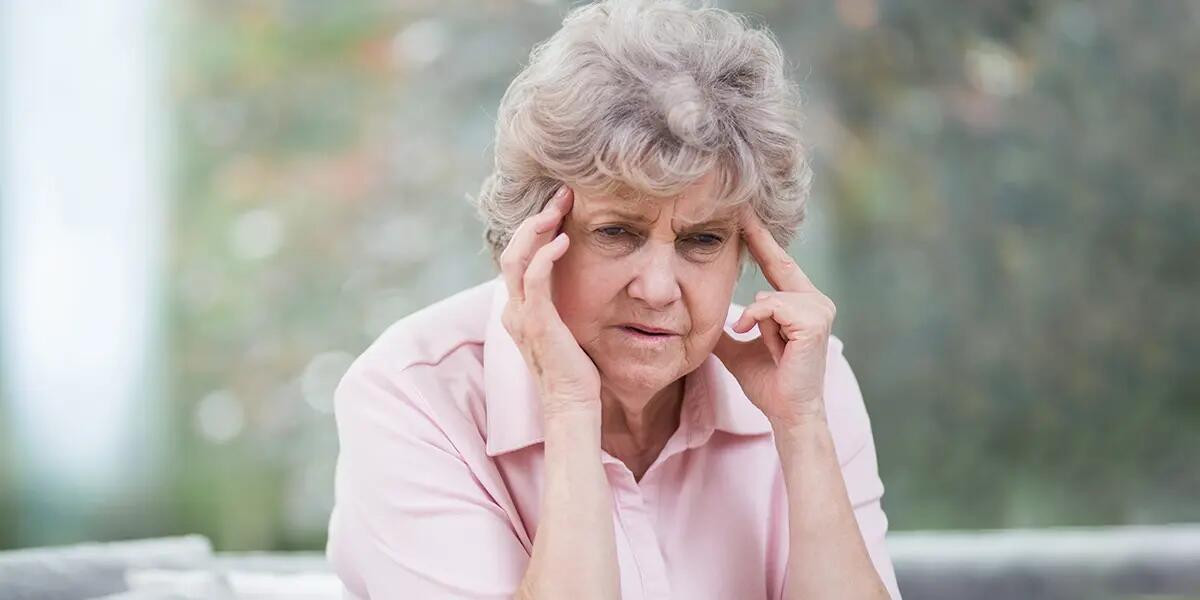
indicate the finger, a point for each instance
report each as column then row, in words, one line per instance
column 777, row 265
column 769, row 330
column 537, row 276
column 799, row 315
column 738, row 356
column 787, row 310
column 763, row 313
column 530, row 235
column 755, row 312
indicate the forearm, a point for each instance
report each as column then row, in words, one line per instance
column 828, row 558
column 574, row 553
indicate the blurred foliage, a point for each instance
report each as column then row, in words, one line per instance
column 1012, row 237
column 1005, row 213
column 1017, row 236
column 325, row 153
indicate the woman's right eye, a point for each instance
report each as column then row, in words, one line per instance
column 616, row 238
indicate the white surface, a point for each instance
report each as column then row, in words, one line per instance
column 80, row 222
column 239, row 585
column 1093, row 547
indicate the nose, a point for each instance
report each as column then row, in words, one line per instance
column 654, row 279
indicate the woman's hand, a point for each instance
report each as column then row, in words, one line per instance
column 783, row 374
column 576, row 500
column 567, row 377
column 783, row 370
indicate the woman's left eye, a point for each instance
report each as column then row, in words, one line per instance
column 706, row 240
column 611, row 231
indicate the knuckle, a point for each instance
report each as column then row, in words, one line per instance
column 540, row 219
column 827, row 325
column 814, row 323
column 524, row 226
column 513, row 323
column 508, row 259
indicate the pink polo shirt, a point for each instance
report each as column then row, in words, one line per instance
column 440, row 472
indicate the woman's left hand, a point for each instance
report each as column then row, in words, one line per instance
column 783, row 370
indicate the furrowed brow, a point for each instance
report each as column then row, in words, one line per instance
column 724, row 224
column 623, row 215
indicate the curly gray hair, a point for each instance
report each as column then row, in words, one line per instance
column 642, row 98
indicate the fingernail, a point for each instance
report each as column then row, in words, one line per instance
column 760, row 295
column 562, row 191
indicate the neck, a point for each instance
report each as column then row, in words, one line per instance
column 634, row 428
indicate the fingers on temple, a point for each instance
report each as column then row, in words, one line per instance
column 531, row 235
column 777, row 265
column 537, row 276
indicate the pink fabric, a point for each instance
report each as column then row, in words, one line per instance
column 439, row 478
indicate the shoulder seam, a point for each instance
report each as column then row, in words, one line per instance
column 433, row 362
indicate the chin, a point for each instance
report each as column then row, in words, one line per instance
column 643, row 373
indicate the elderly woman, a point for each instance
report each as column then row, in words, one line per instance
column 599, row 421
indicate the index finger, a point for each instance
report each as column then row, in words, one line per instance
column 777, row 265
column 531, row 235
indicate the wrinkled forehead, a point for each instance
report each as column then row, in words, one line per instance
column 698, row 204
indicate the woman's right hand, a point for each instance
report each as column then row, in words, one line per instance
column 567, row 377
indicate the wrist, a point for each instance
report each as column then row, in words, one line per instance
column 800, row 419
column 568, row 421
column 799, row 426
column 802, row 443
column 569, row 409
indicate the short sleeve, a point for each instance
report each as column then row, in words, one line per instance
column 410, row 519
column 852, row 431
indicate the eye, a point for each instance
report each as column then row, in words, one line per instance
column 612, row 231
column 705, row 240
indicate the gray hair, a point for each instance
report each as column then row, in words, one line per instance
column 642, row 98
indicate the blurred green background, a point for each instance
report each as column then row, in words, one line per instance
column 1005, row 211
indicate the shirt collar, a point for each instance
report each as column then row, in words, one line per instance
column 713, row 399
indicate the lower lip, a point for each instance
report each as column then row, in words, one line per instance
column 646, row 339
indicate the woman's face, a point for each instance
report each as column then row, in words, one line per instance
column 669, row 264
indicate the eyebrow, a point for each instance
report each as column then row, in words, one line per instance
column 718, row 222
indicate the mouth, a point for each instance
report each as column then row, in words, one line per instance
column 647, row 332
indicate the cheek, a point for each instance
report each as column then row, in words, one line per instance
column 585, row 285
column 707, row 321
column 590, row 273
column 709, row 293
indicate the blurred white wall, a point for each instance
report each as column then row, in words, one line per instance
column 81, row 232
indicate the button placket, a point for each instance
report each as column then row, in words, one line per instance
column 632, row 512
column 645, row 544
